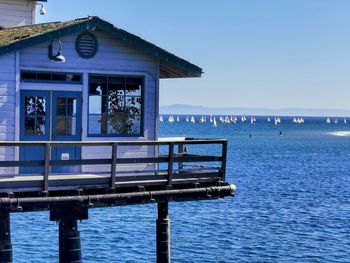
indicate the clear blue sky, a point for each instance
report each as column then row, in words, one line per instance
column 273, row 54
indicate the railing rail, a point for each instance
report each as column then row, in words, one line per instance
column 182, row 158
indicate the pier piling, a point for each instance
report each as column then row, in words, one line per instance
column 69, row 235
column 69, row 242
column 163, row 233
column 5, row 237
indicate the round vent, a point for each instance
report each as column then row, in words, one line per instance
column 86, row 45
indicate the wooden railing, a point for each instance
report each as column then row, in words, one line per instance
column 181, row 165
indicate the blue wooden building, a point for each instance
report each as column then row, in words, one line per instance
column 79, row 107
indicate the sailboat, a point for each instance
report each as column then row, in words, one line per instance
column 268, row 119
column 277, row 120
column 214, row 122
column 192, row 119
column 187, row 119
column 328, row 120
column 161, row 118
column 345, row 121
column 177, row 118
column 171, row 119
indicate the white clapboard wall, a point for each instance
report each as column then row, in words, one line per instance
column 16, row 13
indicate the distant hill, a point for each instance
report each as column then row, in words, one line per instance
column 184, row 109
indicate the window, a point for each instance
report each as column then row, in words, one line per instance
column 51, row 77
column 115, row 105
column 34, row 115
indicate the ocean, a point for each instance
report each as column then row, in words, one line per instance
column 292, row 204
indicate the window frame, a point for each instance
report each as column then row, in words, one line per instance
column 125, row 76
column 51, row 81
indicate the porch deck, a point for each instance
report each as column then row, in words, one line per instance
column 174, row 167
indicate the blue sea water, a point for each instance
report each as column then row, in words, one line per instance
column 292, row 204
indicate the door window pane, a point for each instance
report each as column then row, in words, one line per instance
column 34, row 115
column 66, row 116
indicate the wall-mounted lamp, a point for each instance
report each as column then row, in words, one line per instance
column 59, row 58
column 42, row 9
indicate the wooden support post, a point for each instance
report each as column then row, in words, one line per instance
column 69, row 242
column 170, row 164
column 114, row 164
column 5, row 238
column 223, row 161
column 47, row 167
column 163, row 233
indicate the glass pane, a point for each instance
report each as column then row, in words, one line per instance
column 28, row 75
column 117, row 124
column 71, row 116
column 40, row 106
column 61, row 125
column 133, row 86
column 29, row 105
column 95, row 104
column 133, row 105
column 116, row 86
column 66, row 116
column 29, row 126
column 76, row 78
column 71, row 125
column 115, row 104
column 44, row 76
column 98, row 85
column 94, row 124
column 135, row 123
column 40, row 126
column 58, row 77
column 72, row 106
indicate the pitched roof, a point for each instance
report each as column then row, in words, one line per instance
column 15, row 38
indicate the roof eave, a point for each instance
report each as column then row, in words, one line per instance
column 181, row 67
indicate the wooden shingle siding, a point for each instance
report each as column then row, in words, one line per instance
column 16, row 13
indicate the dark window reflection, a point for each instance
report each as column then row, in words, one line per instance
column 115, row 105
column 34, row 115
column 66, row 112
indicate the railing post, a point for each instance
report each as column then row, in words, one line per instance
column 47, row 167
column 114, row 165
column 180, row 151
column 170, row 163
column 223, row 160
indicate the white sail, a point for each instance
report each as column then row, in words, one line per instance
column 214, row 122
column 161, row 118
column 328, row 120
